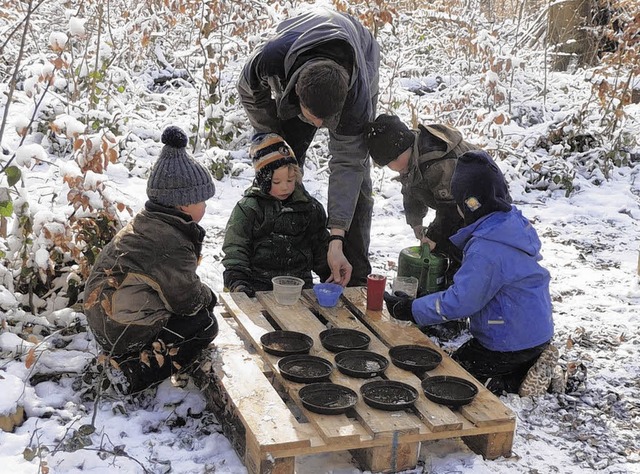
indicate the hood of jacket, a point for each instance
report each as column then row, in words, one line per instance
column 433, row 142
column 508, row 228
column 436, row 141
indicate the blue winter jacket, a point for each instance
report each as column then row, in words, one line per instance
column 500, row 286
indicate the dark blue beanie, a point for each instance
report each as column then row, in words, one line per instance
column 177, row 179
column 478, row 186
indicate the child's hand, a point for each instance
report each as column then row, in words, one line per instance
column 243, row 287
column 399, row 305
column 419, row 231
column 427, row 240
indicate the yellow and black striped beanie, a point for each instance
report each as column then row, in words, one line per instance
column 268, row 153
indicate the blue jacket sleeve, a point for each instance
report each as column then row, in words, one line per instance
column 474, row 285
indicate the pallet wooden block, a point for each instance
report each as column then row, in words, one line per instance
column 269, row 429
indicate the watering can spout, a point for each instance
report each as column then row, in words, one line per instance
column 425, row 251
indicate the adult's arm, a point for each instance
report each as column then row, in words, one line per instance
column 348, row 165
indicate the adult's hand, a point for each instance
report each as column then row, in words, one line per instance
column 340, row 267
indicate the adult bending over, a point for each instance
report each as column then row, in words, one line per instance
column 321, row 70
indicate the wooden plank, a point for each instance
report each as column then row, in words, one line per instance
column 258, row 462
column 435, row 416
column 256, row 402
column 379, row 440
column 240, row 306
column 388, row 459
column 333, row 429
column 491, row 446
column 298, row 318
column 485, row 410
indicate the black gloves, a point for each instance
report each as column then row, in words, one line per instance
column 399, row 305
column 244, row 287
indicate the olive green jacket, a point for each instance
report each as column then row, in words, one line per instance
column 427, row 183
column 266, row 237
column 145, row 275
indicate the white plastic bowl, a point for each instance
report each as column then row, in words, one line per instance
column 287, row 289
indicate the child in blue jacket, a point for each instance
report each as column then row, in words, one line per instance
column 500, row 287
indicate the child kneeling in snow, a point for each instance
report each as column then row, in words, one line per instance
column 500, row 287
column 144, row 302
column 277, row 228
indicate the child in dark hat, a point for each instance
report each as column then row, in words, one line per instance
column 425, row 159
column 277, row 228
column 501, row 286
column 144, row 302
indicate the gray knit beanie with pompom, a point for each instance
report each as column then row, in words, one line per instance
column 177, row 179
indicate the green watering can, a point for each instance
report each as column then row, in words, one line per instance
column 429, row 268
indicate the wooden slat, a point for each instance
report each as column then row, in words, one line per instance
column 298, row 318
column 435, row 416
column 485, row 410
column 273, row 425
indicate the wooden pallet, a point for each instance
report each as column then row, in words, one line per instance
column 262, row 415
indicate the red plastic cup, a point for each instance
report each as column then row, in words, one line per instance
column 375, row 291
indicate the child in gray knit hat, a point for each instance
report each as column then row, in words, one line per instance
column 144, row 302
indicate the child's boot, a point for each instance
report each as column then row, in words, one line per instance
column 537, row 380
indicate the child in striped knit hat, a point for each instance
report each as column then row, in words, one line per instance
column 277, row 228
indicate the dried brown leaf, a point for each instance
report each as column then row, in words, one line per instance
column 106, row 306
column 31, row 358
column 91, row 301
column 570, row 343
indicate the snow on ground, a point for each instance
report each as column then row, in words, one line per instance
column 590, row 245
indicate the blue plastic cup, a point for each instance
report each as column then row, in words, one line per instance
column 328, row 294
